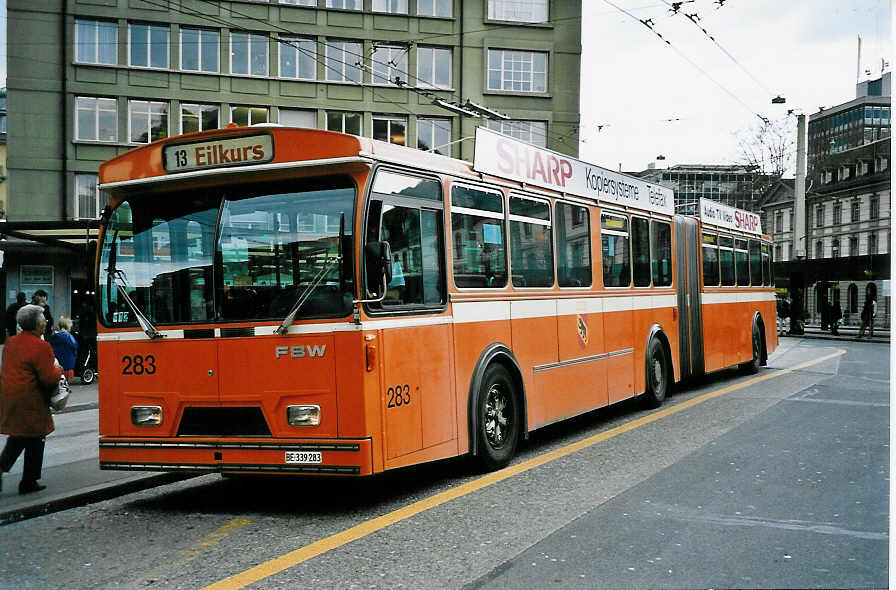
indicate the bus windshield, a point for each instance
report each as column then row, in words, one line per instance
column 230, row 253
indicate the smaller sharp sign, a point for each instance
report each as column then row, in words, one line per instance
column 719, row 214
column 506, row 157
column 219, row 153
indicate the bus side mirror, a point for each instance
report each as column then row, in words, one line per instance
column 379, row 261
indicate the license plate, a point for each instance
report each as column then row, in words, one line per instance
column 304, row 457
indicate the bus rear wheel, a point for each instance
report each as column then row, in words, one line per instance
column 497, row 419
column 751, row 367
column 657, row 378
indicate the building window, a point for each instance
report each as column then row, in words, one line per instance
column 148, row 45
column 198, row 117
column 300, row 2
column 434, row 67
column 534, row 132
column 298, row 58
column 96, row 119
column 89, row 200
column 199, row 50
column 389, row 65
column 96, row 42
column 819, row 216
column 872, row 243
column 248, row 54
column 245, row 116
column 147, row 121
column 434, row 135
column 875, row 207
column 779, row 221
column 342, row 57
column 835, row 248
column 434, row 8
column 854, row 246
column 391, row 6
column 819, row 249
column 854, row 211
column 837, row 214
column 521, row 11
column 297, row 118
column 787, row 215
column 344, row 122
column 346, row 4
column 391, row 129
column 517, row 71
column 779, row 252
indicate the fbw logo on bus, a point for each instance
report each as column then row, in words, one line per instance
column 297, row 352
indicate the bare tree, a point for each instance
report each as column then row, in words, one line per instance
column 768, row 148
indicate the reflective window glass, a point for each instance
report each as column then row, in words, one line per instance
column 573, row 246
column 614, row 250
column 531, row 256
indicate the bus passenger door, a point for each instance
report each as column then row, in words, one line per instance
column 416, row 394
column 687, row 277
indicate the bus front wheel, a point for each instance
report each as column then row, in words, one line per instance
column 497, row 419
column 657, row 378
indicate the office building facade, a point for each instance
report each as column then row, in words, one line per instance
column 89, row 79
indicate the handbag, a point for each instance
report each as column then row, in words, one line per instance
column 61, row 395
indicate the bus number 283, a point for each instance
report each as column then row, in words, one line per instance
column 138, row 364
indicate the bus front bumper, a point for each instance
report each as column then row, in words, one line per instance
column 316, row 456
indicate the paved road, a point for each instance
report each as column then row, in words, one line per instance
column 774, row 479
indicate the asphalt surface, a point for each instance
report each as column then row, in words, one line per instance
column 71, row 468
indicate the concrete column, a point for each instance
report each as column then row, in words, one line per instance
column 800, row 247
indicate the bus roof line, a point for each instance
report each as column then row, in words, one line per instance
column 237, row 170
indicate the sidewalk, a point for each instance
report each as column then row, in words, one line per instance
column 71, row 469
column 846, row 333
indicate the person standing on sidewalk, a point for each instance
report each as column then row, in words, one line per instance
column 40, row 298
column 11, row 312
column 65, row 347
column 869, row 310
column 29, row 373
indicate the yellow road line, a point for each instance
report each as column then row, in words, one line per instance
column 288, row 560
column 213, row 539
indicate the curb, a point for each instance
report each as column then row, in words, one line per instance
column 89, row 495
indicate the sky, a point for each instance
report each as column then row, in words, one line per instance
column 641, row 98
column 688, row 101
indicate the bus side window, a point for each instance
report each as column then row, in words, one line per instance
column 573, row 246
column 661, row 259
column 726, row 260
column 640, row 252
column 766, row 265
column 710, row 260
column 741, row 263
column 755, row 264
column 477, row 226
column 614, row 249
column 531, row 258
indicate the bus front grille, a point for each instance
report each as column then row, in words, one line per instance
column 238, row 421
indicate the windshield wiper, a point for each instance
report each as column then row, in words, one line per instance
column 318, row 278
column 119, row 278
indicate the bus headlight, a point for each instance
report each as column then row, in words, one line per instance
column 308, row 415
column 146, row 415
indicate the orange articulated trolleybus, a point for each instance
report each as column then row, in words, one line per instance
column 277, row 300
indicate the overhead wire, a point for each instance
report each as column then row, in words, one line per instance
column 689, row 60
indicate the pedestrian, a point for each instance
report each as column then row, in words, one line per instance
column 869, row 310
column 65, row 347
column 836, row 316
column 28, row 377
column 40, row 298
column 11, row 312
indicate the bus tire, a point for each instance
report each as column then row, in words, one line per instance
column 656, row 379
column 497, row 419
column 752, row 367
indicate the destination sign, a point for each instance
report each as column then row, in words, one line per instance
column 715, row 213
column 218, row 153
column 504, row 156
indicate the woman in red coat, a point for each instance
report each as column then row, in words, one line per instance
column 28, row 375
